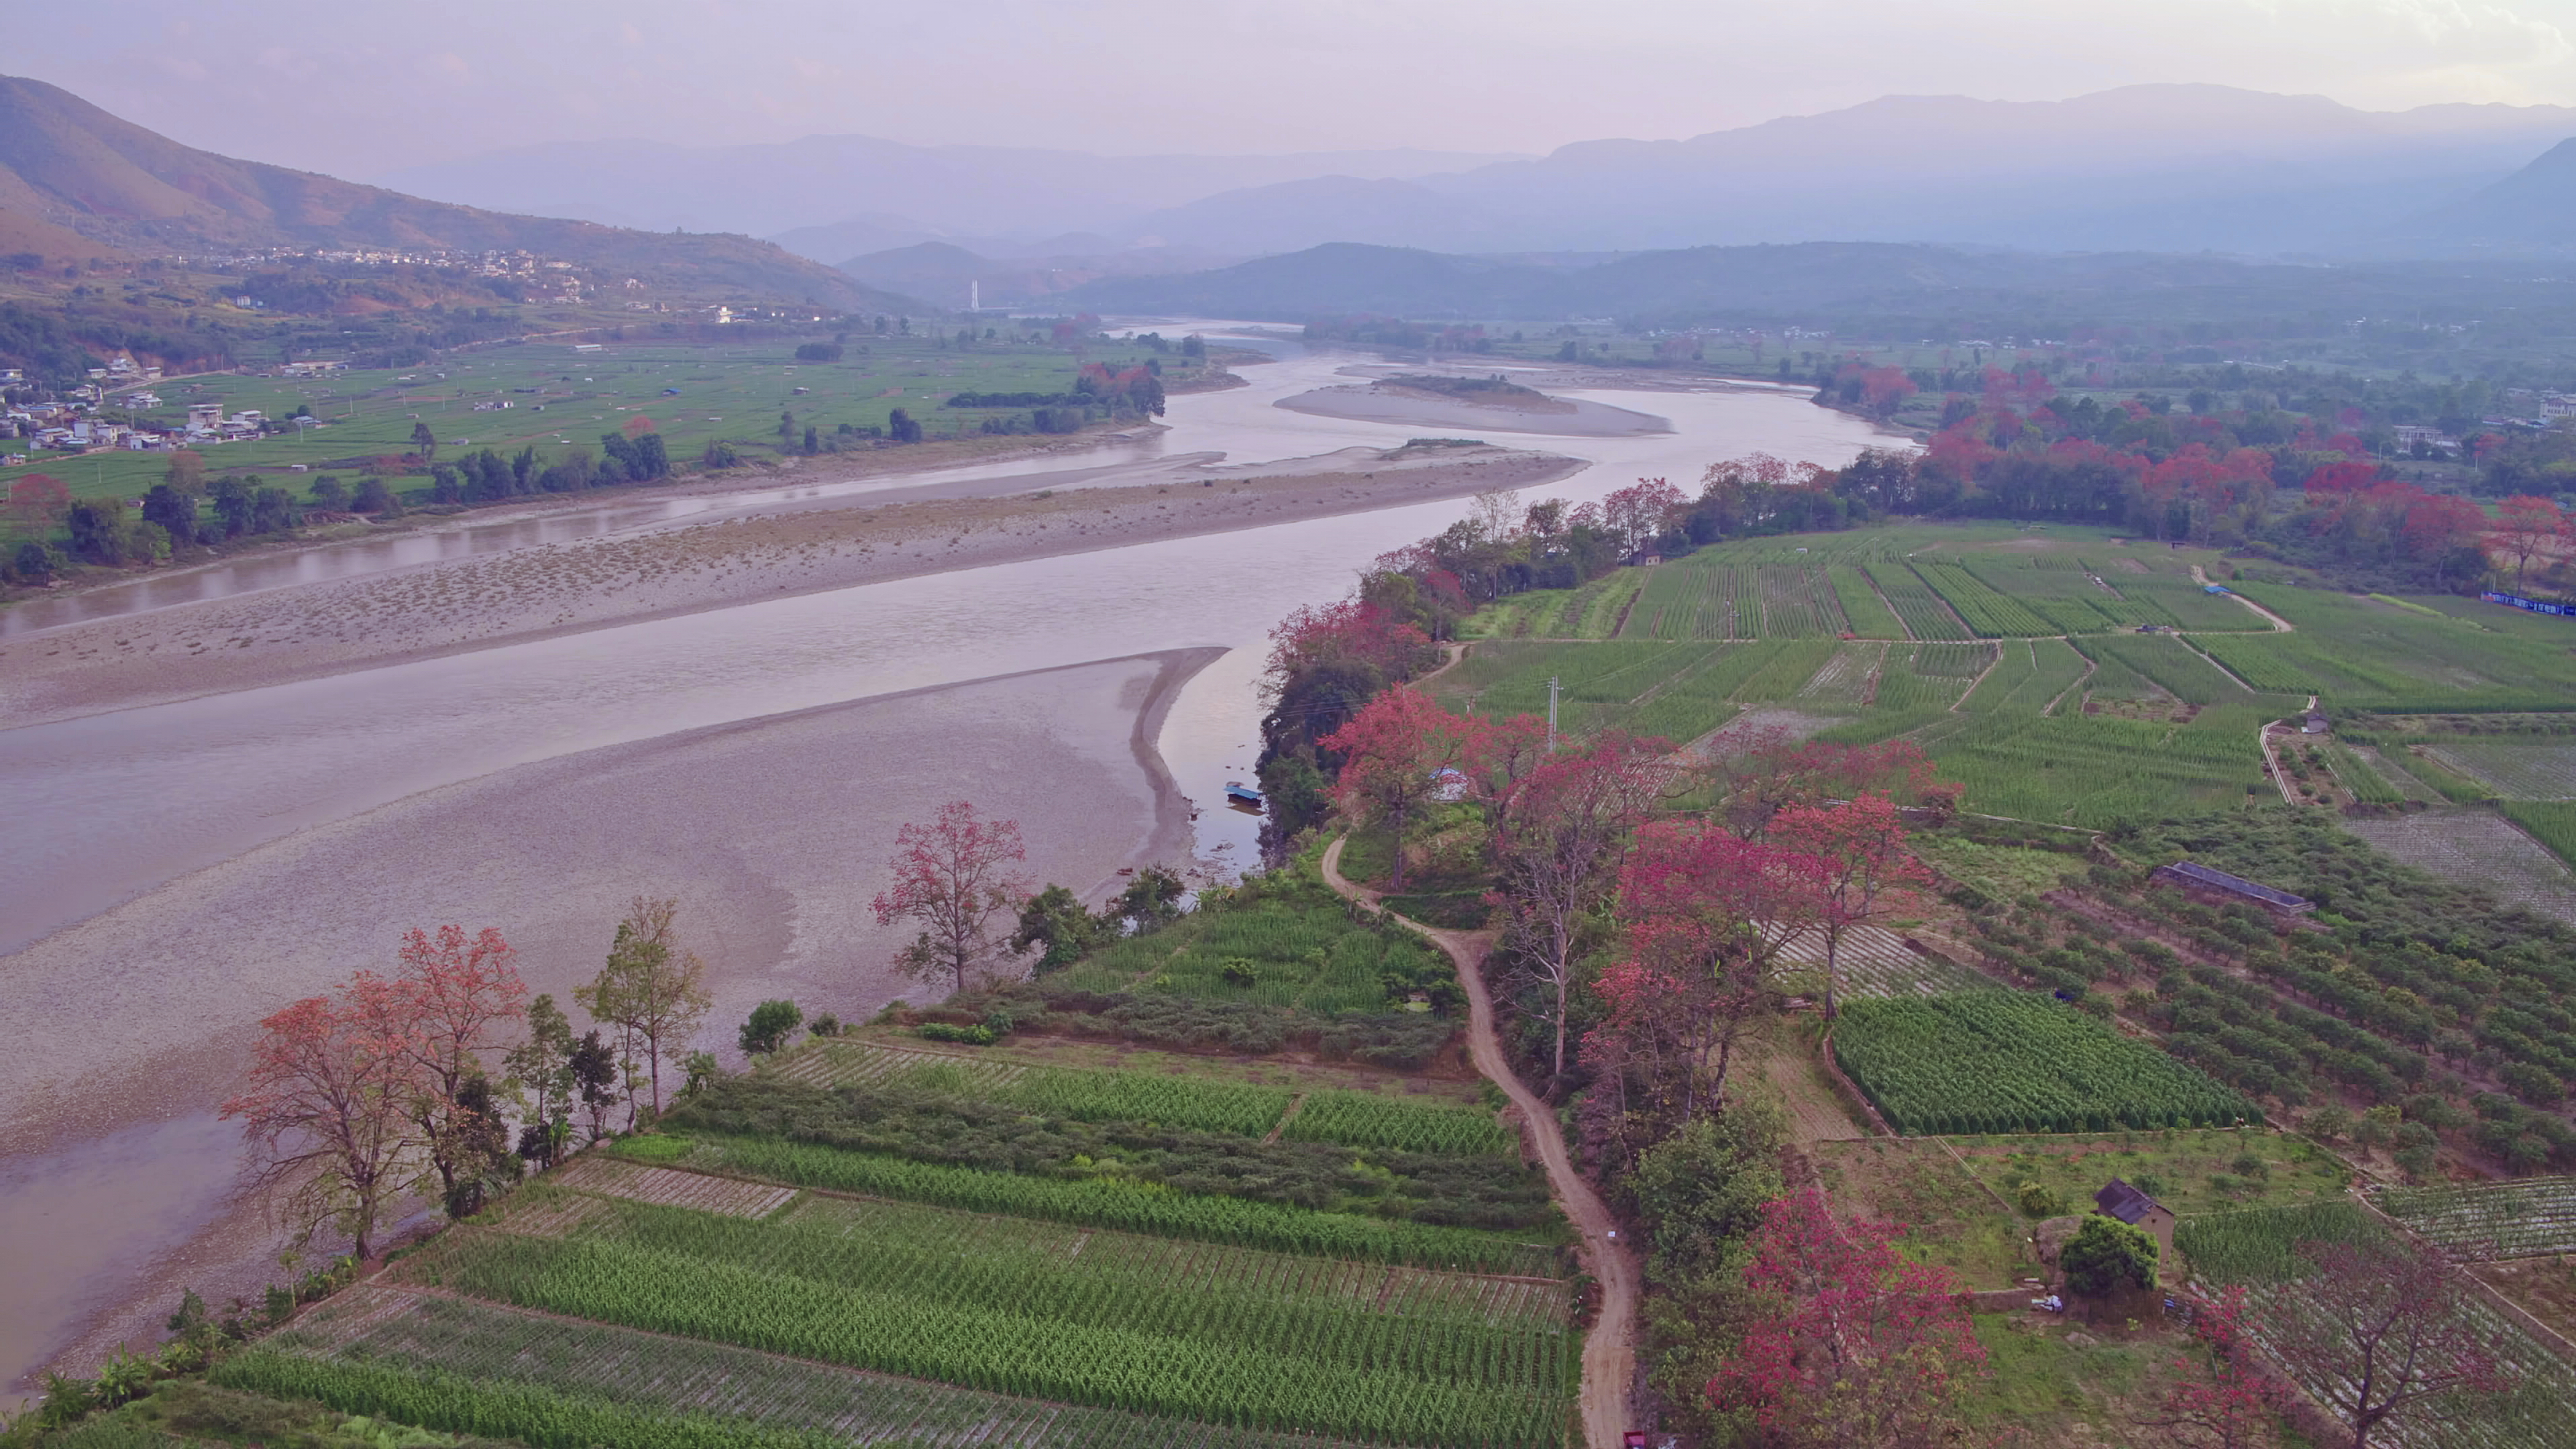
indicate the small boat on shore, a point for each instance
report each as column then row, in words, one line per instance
column 1239, row 793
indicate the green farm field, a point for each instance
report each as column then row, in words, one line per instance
column 561, row 399
column 2013, row 657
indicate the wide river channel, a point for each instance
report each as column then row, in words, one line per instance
column 106, row 808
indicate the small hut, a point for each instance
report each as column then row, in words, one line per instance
column 2125, row 1201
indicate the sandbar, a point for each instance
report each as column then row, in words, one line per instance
column 1570, row 418
column 314, row 629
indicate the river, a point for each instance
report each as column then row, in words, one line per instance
column 109, row 808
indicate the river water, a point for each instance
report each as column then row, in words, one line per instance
column 107, row 807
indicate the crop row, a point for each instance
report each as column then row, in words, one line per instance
column 1991, row 614
column 1917, row 678
column 1368, row 1119
column 1128, row 1206
column 2489, row 1220
column 1037, row 1349
column 2009, row 1061
column 1322, row 1311
column 2551, row 822
column 2358, row 776
column 1869, row 615
column 1925, row 616
column 2264, row 1250
column 1798, row 603
column 2031, row 674
column 2076, row 769
column 655, row 1382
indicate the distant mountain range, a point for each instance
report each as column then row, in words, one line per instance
column 75, row 180
column 2182, row 168
column 800, row 191
column 1884, row 289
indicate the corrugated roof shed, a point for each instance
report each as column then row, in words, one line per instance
column 2195, row 873
column 2122, row 1201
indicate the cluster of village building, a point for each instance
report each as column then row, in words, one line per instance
column 123, row 388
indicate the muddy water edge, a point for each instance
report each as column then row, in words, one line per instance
column 197, row 811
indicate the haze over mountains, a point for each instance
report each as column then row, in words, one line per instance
column 75, row 180
column 2159, row 167
column 1903, row 203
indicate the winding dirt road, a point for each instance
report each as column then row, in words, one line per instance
column 1609, row 1353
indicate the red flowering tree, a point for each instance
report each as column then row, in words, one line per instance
column 37, row 501
column 2526, row 525
column 2347, row 476
column 1710, row 909
column 1852, row 1345
column 328, row 1108
column 458, row 993
column 2384, row 1329
column 1641, row 511
column 1861, row 843
column 357, row 1098
column 2225, row 1403
column 1760, row 774
column 952, row 879
column 2441, row 524
column 1348, row 631
column 1884, row 389
column 1558, row 832
column 1399, row 753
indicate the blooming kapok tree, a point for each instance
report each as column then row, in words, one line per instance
column 457, row 993
column 1862, row 845
column 2383, row 1328
column 2526, row 525
column 1397, row 753
column 951, row 878
column 1641, row 511
column 1558, row 831
column 2226, row 1404
column 328, row 1108
column 1853, row 1345
column 1760, row 773
column 1706, row 907
column 37, row 501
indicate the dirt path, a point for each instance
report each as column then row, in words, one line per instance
column 1609, row 1351
column 2200, row 575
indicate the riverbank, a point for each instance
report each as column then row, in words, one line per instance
column 1415, row 407
column 806, row 547
column 771, row 832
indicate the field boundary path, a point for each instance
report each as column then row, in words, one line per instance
column 1609, row 1350
column 2200, row 575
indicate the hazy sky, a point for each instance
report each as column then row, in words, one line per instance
column 360, row 89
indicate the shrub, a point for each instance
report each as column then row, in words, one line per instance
column 771, row 1023
column 2040, row 1200
column 2105, row 1254
column 976, row 1035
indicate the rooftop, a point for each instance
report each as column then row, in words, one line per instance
column 2195, row 872
column 2122, row 1201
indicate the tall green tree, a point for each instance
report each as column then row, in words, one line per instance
column 653, row 989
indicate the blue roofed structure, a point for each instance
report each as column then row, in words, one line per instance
column 2192, row 876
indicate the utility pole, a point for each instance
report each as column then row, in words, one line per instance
column 1551, row 714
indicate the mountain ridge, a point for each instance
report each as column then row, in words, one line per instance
column 68, row 164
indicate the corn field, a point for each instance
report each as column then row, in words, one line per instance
column 2010, row 1061
column 1112, row 1202
column 1108, row 1334
column 1367, row 1119
column 661, row 1383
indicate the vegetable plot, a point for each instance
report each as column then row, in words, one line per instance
column 2008, row 1061
column 2489, row 1220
